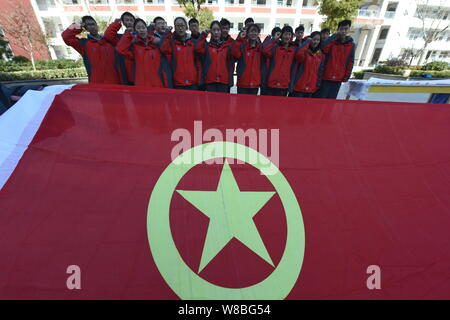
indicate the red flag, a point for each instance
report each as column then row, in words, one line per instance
column 98, row 207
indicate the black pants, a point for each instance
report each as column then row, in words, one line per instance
column 247, row 90
column 277, row 92
column 328, row 90
column 191, row 87
column 263, row 91
column 298, row 94
column 217, row 87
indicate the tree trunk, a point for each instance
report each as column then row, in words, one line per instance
column 422, row 53
column 31, row 53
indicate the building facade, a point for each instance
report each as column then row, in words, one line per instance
column 383, row 29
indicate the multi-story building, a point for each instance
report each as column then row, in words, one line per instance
column 382, row 29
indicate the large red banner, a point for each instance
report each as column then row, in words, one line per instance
column 359, row 208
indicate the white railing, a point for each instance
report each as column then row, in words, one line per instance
column 389, row 14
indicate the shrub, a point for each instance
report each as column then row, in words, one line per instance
column 40, row 65
column 435, row 74
column 389, row 69
column 395, row 62
column 20, row 59
column 43, row 74
column 436, row 66
column 358, row 74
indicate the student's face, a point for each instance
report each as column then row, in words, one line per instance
column 343, row 31
column 225, row 31
column 278, row 34
column 160, row 25
column 91, row 27
column 193, row 27
column 128, row 22
column 299, row 34
column 253, row 34
column 180, row 28
column 216, row 32
column 286, row 37
column 316, row 40
column 141, row 30
column 248, row 24
column 324, row 35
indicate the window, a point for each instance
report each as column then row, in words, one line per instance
column 261, row 26
column 240, row 25
column 71, row 2
column 414, row 33
column 212, row 2
column 154, row 1
column 98, row 1
column 44, row 5
column 376, row 56
column 308, row 3
column 53, row 26
column 60, row 52
column 383, row 34
column 126, row 1
column 261, row 3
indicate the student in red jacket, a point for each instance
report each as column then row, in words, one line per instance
column 226, row 32
column 265, row 62
column 247, row 50
column 181, row 49
column 340, row 55
column 281, row 54
column 126, row 66
column 310, row 67
column 98, row 54
column 299, row 32
column 151, row 69
column 217, row 61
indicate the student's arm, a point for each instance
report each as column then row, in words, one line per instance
column 200, row 44
column 349, row 64
column 267, row 50
column 327, row 44
column 236, row 49
column 111, row 32
column 266, row 41
column 69, row 37
column 320, row 71
column 164, row 43
column 300, row 52
column 124, row 45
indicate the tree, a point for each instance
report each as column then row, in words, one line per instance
column 193, row 9
column 433, row 23
column 17, row 25
column 338, row 10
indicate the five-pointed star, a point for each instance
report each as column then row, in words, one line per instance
column 230, row 212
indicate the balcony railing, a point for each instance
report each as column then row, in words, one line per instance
column 368, row 13
column 389, row 14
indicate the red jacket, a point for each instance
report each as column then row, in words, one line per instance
column 151, row 70
column 249, row 63
column 217, row 62
column 309, row 73
column 184, row 68
column 281, row 64
column 126, row 65
column 339, row 59
column 99, row 57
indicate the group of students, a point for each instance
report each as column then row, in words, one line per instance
column 155, row 56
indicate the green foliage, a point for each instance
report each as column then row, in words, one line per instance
column 40, row 65
column 435, row 74
column 436, row 66
column 205, row 17
column 43, row 74
column 358, row 74
column 5, row 52
column 389, row 69
column 193, row 9
column 338, row 10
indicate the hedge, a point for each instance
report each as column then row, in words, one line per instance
column 40, row 65
column 389, row 70
column 43, row 74
column 435, row 74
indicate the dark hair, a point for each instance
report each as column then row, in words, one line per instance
column 300, row 28
column 180, row 18
column 287, row 29
column 215, row 22
column 126, row 13
column 136, row 22
column 85, row 18
column 315, row 33
column 248, row 20
column 193, row 20
column 275, row 30
column 158, row 18
column 344, row 23
column 254, row 25
column 224, row 22
column 326, row 30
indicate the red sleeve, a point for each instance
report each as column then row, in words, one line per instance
column 200, row 45
column 124, row 44
column 350, row 62
column 164, row 44
column 111, row 33
column 267, row 50
column 328, row 44
column 69, row 37
column 300, row 54
column 236, row 49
